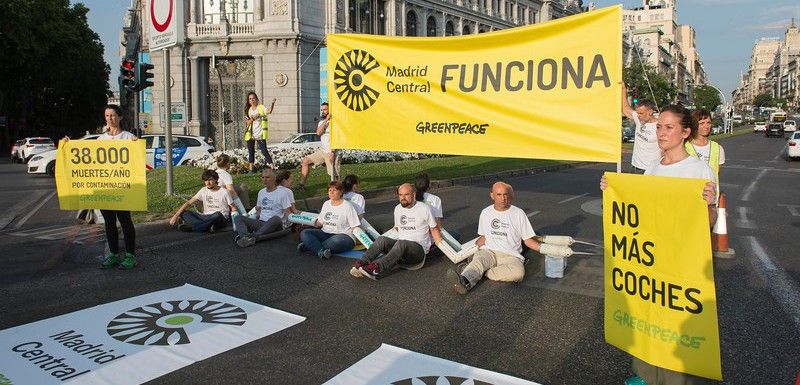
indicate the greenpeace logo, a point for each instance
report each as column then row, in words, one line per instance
column 349, row 80
column 165, row 323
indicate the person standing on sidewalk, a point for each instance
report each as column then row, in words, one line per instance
column 257, row 124
column 416, row 231
column 701, row 147
column 645, row 144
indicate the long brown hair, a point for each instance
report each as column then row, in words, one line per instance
column 247, row 102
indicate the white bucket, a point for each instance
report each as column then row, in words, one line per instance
column 554, row 266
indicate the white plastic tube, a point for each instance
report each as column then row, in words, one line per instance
column 470, row 243
column 239, row 206
column 304, row 218
column 374, row 234
column 447, row 250
column 450, row 240
column 391, row 233
column 558, row 240
column 362, row 237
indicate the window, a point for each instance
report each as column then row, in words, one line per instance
column 236, row 11
column 466, row 30
column 148, row 140
column 431, row 26
column 411, row 24
column 367, row 16
column 449, row 30
column 182, row 141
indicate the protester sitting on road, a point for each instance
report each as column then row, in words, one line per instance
column 701, row 147
column 337, row 219
column 273, row 204
column 351, row 195
column 239, row 194
column 283, row 179
column 675, row 126
column 422, row 182
column 217, row 206
column 502, row 229
column 416, row 230
column 645, row 144
column 324, row 154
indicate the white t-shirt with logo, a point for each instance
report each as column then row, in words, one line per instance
column 274, row 203
column 225, row 177
column 215, row 201
column 338, row 219
column 690, row 167
column 357, row 200
column 645, row 144
column 435, row 203
column 705, row 153
column 325, row 138
column 415, row 224
column 122, row 135
column 504, row 231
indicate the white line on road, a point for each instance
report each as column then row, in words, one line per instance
column 793, row 209
column 33, row 211
column 26, row 232
column 780, row 155
column 752, row 186
column 781, row 286
column 11, row 213
column 573, row 198
column 743, row 222
column 533, row 213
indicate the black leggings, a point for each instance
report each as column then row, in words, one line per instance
column 251, row 150
column 112, row 235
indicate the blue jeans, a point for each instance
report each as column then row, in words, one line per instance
column 201, row 222
column 316, row 240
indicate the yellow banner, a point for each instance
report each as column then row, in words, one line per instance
column 546, row 91
column 101, row 174
column 660, row 299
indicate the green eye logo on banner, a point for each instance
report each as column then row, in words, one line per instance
column 348, row 79
column 450, row 380
column 4, row 380
column 164, row 323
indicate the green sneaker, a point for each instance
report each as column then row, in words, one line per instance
column 111, row 261
column 129, row 262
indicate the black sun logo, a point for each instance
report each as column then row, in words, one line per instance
column 164, row 323
column 444, row 380
column 349, row 82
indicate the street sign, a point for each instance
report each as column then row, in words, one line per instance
column 177, row 113
column 144, row 122
column 165, row 20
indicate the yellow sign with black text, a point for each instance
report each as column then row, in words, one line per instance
column 101, row 174
column 545, row 91
column 660, row 298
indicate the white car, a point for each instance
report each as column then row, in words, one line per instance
column 33, row 146
column 16, row 157
column 793, row 146
column 760, row 126
column 45, row 163
column 789, row 126
column 184, row 148
column 306, row 140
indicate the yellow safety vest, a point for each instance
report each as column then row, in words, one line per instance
column 264, row 124
column 713, row 155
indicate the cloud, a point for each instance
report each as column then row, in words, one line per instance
column 779, row 25
column 787, row 11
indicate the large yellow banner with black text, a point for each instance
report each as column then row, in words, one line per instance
column 660, row 299
column 546, row 91
column 101, row 174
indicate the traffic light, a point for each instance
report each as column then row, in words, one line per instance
column 127, row 74
column 143, row 76
column 635, row 96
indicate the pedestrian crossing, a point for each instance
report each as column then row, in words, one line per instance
column 78, row 234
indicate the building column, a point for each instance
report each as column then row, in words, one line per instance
column 258, row 6
column 259, row 59
column 194, row 92
column 460, row 26
column 193, row 11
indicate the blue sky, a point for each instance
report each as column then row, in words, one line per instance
column 726, row 30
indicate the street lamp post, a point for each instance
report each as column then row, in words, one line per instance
column 727, row 124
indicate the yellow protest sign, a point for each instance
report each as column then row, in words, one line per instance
column 660, row 299
column 546, row 91
column 101, row 174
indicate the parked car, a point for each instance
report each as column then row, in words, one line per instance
column 45, row 163
column 789, row 126
column 184, row 149
column 16, row 156
column 33, row 146
column 303, row 140
column 627, row 135
column 760, row 126
column 793, row 146
column 774, row 129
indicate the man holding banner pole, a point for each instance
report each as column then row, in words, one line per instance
column 645, row 144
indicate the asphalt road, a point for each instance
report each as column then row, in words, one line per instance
column 545, row 330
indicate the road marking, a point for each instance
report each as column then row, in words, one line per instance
column 793, row 209
column 752, row 186
column 780, row 155
column 738, row 167
column 743, row 222
column 12, row 212
column 729, row 185
column 782, row 288
column 573, row 198
column 83, row 235
column 33, row 211
column 533, row 213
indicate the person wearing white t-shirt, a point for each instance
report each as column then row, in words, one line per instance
column 217, row 206
column 701, row 147
column 502, row 229
column 351, row 195
column 416, row 231
column 675, row 127
column 422, row 182
column 645, row 144
column 331, row 158
column 240, row 193
column 284, row 180
column 337, row 220
column 273, row 205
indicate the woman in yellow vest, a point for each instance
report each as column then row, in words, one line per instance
column 257, row 129
column 701, row 147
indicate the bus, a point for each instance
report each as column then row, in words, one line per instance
column 777, row 117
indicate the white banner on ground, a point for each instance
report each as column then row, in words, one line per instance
column 392, row 365
column 134, row 340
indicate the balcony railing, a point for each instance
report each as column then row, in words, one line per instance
column 219, row 30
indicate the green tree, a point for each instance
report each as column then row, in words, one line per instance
column 635, row 77
column 706, row 97
column 764, row 100
column 53, row 79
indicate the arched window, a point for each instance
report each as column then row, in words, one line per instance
column 466, row 30
column 411, row 24
column 431, row 26
column 448, row 29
